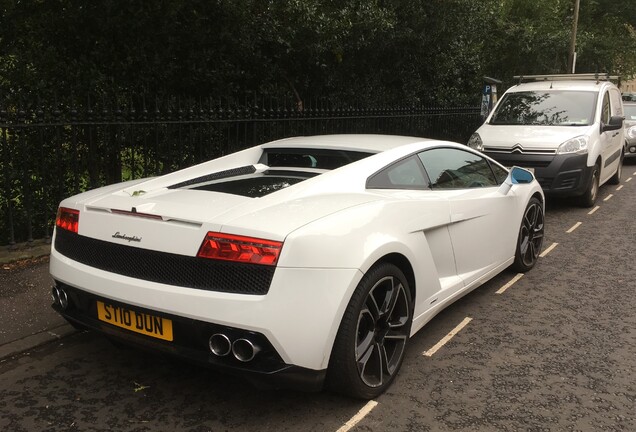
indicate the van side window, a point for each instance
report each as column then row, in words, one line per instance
column 617, row 106
column 605, row 110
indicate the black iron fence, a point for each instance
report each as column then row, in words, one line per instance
column 53, row 149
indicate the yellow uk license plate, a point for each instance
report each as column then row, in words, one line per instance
column 137, row 322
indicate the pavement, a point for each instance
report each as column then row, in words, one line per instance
column 26, row 317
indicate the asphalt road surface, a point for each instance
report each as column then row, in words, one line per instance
column 553, row 351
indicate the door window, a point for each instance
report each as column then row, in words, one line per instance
column 404, row 174
column 501, row 174
column 450, row 168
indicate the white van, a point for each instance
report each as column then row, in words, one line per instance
column 567, row 128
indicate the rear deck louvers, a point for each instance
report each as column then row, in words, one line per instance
column 244, row 170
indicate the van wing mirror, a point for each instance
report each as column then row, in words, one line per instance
column 615, row 123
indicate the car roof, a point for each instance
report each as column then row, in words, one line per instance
column 352, row 142
column 575, row 85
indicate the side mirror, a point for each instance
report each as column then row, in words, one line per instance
column 615, row 123
column 520, row 176
column 516, row 176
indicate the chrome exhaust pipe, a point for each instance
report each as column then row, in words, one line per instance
column 60, row 297
column 55, row 295
column 220, row 345
column 244, row 350
column 63, row 299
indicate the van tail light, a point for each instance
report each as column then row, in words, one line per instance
column 67, row 219
column 237, row 248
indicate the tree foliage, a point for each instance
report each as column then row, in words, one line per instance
column 374, row 51
column 534, row 37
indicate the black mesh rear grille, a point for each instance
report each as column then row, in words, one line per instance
column 166, row 268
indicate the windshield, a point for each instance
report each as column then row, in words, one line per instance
column 550, row 108
column 630, row 112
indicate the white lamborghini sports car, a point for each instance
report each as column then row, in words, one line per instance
column 298, row 262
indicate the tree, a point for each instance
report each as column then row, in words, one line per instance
column 373, row 52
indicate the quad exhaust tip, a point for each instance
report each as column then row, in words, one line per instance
column 60, row 297
column 243, row 349
column 220, row 345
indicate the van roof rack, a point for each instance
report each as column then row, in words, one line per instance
column 602, row 76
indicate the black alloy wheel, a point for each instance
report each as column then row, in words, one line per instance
column 530, row 236
column 373, row 335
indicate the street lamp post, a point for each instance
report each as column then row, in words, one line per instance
column 572, row 53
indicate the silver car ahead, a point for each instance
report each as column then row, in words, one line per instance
column 630, row 129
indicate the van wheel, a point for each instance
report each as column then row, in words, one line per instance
column 588, row 199
column 616, row 178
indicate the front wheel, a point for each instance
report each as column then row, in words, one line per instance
column 616, row 178
column 588, row 199
column 530, row 237
column 373, row 334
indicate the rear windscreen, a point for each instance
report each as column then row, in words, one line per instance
column 286, row 169
column 257, row 185
column 310, row 158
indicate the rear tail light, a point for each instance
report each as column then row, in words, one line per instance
column 67, row 219
column 236, row 248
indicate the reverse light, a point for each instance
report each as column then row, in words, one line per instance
column 237, row 248
column 67, row 219
column 574, row 145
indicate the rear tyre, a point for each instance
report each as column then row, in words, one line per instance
column 372, row 338
column 588, row 199
column 530, row 237
column 616, row 178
